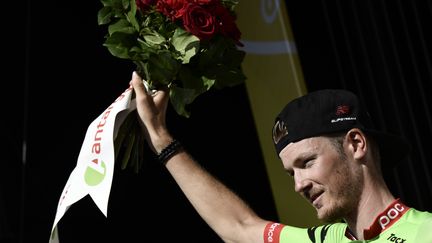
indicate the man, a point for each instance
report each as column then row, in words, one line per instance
column 327, row 144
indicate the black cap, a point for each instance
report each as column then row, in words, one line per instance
column 330, row 111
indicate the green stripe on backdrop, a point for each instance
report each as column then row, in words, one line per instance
column 274, row 77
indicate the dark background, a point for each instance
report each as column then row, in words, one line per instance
column 58, row 78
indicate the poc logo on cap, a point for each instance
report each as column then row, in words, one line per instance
column 391, row 214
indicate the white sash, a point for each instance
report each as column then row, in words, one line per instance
column 93, row 173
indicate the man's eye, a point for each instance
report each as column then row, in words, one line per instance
column 308, row 163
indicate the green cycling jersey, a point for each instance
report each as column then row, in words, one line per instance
column 398, row 223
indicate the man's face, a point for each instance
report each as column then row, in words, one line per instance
column 326, row 177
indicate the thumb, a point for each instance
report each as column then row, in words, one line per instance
column 138, row 85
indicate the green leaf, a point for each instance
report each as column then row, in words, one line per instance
column 213, row 54
column 121, row 26
column 185, row 43
column 180, row 97
column 129, row 143
column 208, row 82
column 189, row 79
column 125, row 4
column 140, row 55
column 162, row 68
column 153, row 37
column 117, row 4
column 120, row 43
column 118, row 51
column 122, row 133
column 233, row 57
column 131, row 15
column 130, row 140
column 104, row 15
column 141, row 69
column 126, row 139
column 226, row 76
column 107, row 2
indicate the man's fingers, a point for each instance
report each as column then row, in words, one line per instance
column 158, row 97
column 161, row 96
column 138, row 85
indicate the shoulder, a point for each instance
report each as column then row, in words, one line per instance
column 424, row 221
column 424, row 233
column 414, row 226
column 417, row 217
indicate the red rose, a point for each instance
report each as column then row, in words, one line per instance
column 144, row 5
column 199, row 21
column 173, row 9
column 226, row 24
column 205, row 2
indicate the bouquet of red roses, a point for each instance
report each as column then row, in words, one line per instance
column 189, row 46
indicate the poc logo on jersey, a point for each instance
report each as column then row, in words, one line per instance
column 391, row 214
column 271, row 232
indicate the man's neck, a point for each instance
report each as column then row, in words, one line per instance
column 375, row 198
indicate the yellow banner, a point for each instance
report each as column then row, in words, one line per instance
column 274, row 78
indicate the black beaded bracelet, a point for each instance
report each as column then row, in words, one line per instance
column 170, row 150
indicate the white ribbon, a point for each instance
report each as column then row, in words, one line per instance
column 94, row 171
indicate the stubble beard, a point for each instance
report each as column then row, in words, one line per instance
column 345, row 194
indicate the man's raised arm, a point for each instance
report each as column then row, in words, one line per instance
column 228, row 215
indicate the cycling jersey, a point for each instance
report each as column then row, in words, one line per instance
column 398, row 223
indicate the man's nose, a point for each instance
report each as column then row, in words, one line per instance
column 301, row 184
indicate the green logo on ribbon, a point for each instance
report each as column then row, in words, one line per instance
column 95, row 173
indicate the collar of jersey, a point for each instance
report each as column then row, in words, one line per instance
column 383, row 221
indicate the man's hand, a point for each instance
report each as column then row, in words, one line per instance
column 151, row 107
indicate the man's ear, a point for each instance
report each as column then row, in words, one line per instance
column 356, row 143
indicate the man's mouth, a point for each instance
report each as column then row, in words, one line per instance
column 314, row 199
